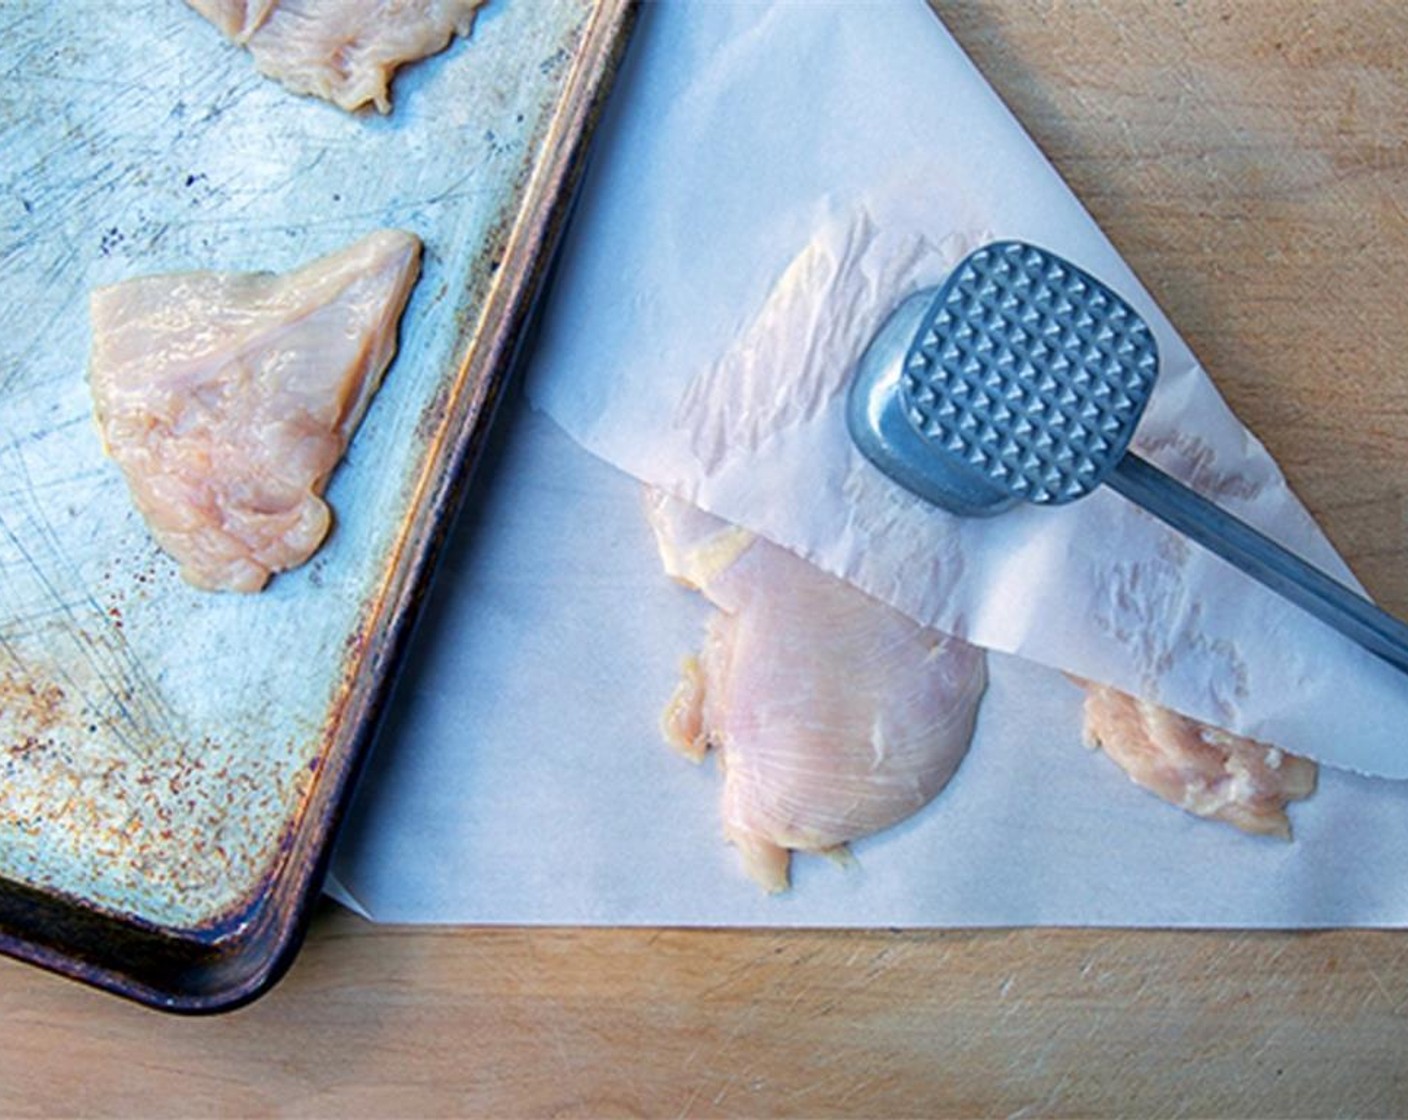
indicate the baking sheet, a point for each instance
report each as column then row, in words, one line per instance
column 523, row 778
column 170, row 754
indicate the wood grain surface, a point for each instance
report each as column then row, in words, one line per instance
column 1251, row 162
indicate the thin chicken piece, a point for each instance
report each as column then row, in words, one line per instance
column 834, row 716
column 344, row 51
column 228, row 398
column 1202, row 769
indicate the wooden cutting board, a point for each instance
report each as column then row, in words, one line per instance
column 1251, row 162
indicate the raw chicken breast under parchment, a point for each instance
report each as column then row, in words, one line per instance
column 788, row 363
column 833, row 715
column 228, row 398
column 1209, row 772
column 344, row 51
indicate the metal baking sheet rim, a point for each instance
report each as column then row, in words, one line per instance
column 235, row 960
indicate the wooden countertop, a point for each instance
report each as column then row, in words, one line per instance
column 1251, row 162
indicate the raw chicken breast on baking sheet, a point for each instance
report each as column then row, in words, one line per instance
column 344, row 51
column 228, row 398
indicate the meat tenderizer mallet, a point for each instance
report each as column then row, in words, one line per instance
column 1022, row 377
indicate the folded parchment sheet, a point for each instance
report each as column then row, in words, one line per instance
column 771, row 180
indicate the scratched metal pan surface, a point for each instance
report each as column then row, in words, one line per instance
column 174, row 761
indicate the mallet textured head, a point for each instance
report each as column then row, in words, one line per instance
column 1028, row 372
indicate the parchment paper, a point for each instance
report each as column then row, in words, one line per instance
column 522, row 778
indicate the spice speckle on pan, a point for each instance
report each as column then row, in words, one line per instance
column 108, row 790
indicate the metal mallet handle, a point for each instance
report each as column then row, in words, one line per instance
column 1261, row 558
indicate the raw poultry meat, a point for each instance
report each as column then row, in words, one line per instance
column 342, row 50
column 1202, row 769
column 834, row 716
column 227, row 399
column 789, row 363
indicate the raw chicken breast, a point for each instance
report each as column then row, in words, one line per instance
column 834, row 716
column 228, row 398
column 1199, row 768
column 344, row 51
